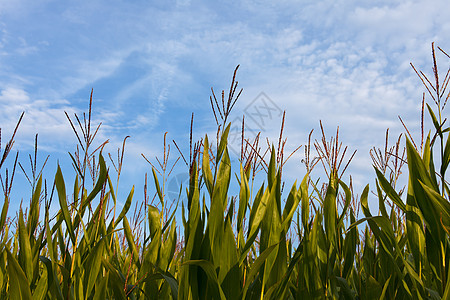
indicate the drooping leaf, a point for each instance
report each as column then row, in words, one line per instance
column 126, row 206
column 208, row 267
column 389, row 190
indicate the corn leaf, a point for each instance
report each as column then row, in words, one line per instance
column 25, row 256
column 206, row 170
column 92, row 266
column 389, row 190
column 126, row 206
column 100, row 291
column 34, row 207
column 213, row 281
column 4, row 213
column 19, row 288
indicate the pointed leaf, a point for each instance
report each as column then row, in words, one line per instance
column 206, row 169
column 61, row 188
column 158, row 189
column 25, row 256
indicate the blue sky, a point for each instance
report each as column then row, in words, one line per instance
column 152, row 63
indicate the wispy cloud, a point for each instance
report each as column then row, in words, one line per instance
column 41, row 116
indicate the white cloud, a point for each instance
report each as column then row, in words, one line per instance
column 14, row 96
column 45, row 117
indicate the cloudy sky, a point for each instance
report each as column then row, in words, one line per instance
column 152, row 63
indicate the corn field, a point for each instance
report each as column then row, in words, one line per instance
column 322, row 241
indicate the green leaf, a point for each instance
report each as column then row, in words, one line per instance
column 350, row 241
column 100, row 290
column 446, row 294
column 154, row 223
column 272, row 233
column 446, row 157
column 330, row 211
column 126, row 206
column 381, row 199
column 255, row 268
column 389, row 190
column 228, row 257
column 418, row 172
column 216, row 228
column 173, row 284
column 208, row 267
column 281, row 288
column 40, row 291
column 206, row 169
column 115, row 281
column 130, row 240
column 386, row 284
column 257, row 214
column 18, row 282
column 53, row 286
column 434, row 119
column 345, row 289
column 61, row 188
column 25, row 256
column 372, row 289
column 76, row 192
column 92, row 266
column 223, row 181
column 305, row 202
column 414, row 229
column 440, row 203
column 271, row 171
column 244, row 195
column 158, row 189
column 74, row 161
column 169, row 220
column 258, row 210
column 102, row 177
column 4, row 213
column 231, row 285
column 223, row 143
column 34, row 208
column 290, row 207
column 167, row 250
column 348, row 199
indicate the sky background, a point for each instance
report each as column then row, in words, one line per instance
column 152, row 64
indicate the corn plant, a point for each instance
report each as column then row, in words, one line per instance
column 236, row 244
